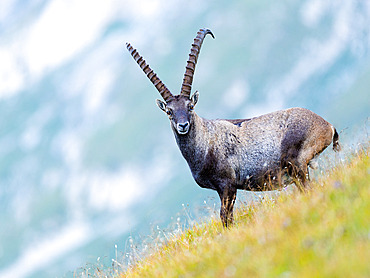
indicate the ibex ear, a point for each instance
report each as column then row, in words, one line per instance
column 161, row 104
column 194, row 98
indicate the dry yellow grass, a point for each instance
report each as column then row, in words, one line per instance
column 324, row 233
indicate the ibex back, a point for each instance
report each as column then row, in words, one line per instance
column 262, row 153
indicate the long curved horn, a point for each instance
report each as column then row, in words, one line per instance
column 162, row 89
column 193, row 57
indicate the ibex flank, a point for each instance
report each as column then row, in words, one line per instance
column 258, row 154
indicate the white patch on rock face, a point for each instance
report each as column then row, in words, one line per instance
column 236, row 94
column 11, row 77
column 312, row 12
column 64, row 37
column 42, row 253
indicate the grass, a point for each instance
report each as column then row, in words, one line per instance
column 324, row 233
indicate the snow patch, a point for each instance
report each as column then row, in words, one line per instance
column 38, row 255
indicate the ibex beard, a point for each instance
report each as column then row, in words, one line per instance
column 258, row 154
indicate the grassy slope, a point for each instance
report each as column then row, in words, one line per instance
column 325, row 233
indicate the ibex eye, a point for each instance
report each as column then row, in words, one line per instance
column 191, row 107
column 169, row 112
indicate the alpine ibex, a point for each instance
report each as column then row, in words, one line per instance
column 255, row 154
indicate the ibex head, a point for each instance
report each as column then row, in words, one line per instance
column 179, row 108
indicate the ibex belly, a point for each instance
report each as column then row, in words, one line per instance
column 245, row 164
column 260, row 165
column 260, row 151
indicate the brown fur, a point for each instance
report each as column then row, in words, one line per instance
column 262, row 153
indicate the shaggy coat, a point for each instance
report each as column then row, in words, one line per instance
column 262, row 153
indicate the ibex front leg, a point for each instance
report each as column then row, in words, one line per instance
column 227, row 196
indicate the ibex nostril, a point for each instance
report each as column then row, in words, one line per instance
column 183, row 125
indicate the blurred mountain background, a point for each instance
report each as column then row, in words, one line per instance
column 86, row 157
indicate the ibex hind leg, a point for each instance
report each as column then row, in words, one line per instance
column 302, row 172
column 300, row 175
column 303, row 179
column 308, row 152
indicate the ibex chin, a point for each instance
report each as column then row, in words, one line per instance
column 257, row 154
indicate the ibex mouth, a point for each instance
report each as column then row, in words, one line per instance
column 183, row 128
column 182, row 132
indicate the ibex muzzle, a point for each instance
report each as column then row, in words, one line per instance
column 262, row 153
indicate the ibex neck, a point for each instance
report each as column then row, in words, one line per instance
column 194, row 145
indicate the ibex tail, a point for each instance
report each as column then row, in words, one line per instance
column 336, row 146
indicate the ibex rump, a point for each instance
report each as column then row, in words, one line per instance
column 256, row 154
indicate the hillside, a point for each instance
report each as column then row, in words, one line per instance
column 87, row 160
column 324, row 233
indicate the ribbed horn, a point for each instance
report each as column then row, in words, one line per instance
column 162, row 89
column 193, row 57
